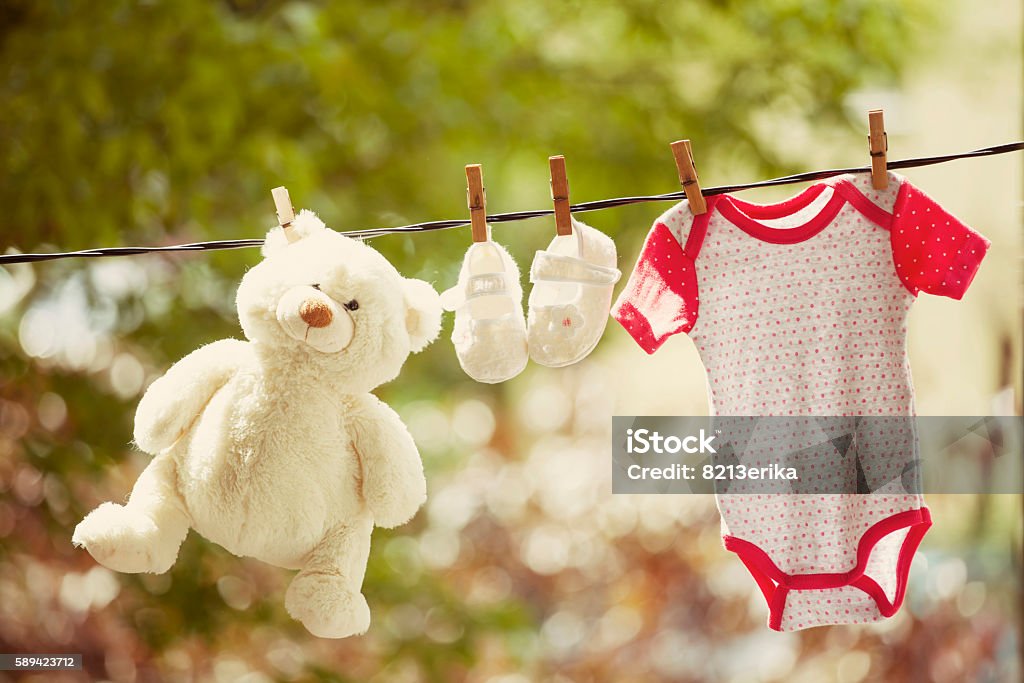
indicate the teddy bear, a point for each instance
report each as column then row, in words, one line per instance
column 274, row 447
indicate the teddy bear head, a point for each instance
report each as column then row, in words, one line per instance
column 334, row 305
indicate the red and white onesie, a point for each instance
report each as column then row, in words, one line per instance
column 799, row 309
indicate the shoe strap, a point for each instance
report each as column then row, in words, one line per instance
column 475, row 286
column 549, row 267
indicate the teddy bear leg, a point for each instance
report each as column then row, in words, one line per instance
column 325, row 595
column 144, row 534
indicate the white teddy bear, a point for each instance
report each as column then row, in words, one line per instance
column 274, row 447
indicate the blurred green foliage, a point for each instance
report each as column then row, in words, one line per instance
column 144, row 122
column 162, row 122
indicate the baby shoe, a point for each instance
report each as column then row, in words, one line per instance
column 489, row 332
column 571, row 296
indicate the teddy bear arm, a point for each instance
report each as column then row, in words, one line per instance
column 393, row 483
column 173, row 402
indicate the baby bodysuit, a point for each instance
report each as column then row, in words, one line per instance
column 799, row 309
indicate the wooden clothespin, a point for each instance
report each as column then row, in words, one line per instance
column 477, row 200
column 560, row 195
column 285, row 212
column 688, row 176
column 878, row 145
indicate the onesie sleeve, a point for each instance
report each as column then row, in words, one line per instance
column 933, row 251
column 660, row 298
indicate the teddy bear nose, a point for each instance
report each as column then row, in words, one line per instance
column 315, row 313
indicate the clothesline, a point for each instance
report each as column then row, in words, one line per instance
column 596, row 205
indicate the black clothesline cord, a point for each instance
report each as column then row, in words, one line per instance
column 522, row 215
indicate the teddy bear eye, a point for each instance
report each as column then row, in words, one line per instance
column 316, row 286
column 352, row 305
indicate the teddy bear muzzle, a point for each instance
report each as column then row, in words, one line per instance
column 310, row 316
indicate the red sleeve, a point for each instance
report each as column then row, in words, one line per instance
column 660, row 298
column 933, row 251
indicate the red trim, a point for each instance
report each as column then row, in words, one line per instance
column 873, row 212
column 764, row 582
column 742, row 214
column 776, row 584
column 776, row 608
column 699, row 230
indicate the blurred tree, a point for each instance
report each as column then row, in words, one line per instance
column 142, row 122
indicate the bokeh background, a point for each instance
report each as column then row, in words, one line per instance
column 154, row 122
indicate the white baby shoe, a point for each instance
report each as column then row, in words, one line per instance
column 571, row 296
column 489, row 332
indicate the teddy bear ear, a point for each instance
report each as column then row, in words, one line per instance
column 422, row 313
column 305, row 224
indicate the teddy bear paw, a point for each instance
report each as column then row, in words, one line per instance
column 395, row 514
column 326, row 606
column 396, row 507
column 124, row 540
